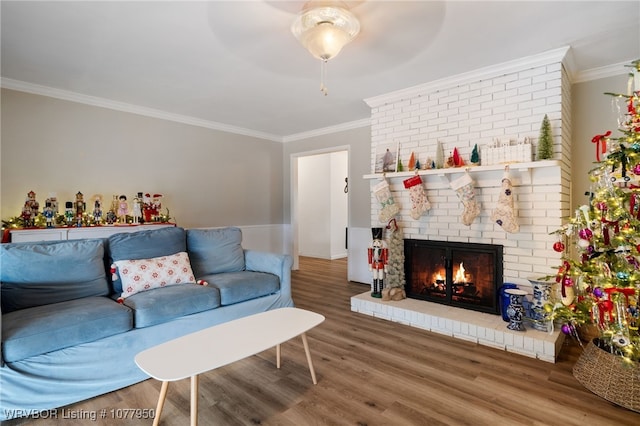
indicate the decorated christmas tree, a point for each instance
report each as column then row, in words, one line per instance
column 600, row 283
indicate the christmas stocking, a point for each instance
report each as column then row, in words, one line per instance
column 388, row 206
column 467, row 194
column 419, row 202
column 504, row 214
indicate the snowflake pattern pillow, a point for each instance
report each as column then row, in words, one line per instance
column 146, row 274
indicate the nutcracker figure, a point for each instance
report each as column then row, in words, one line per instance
column 79, row 206
column 48, row 213
column 378, row 255
column 97, row 209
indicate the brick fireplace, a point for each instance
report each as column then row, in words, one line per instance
column 506, row 101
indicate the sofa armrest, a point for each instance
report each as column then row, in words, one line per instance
column 1, row 354
column 276, row 264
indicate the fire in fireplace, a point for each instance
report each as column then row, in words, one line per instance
column 465, row 275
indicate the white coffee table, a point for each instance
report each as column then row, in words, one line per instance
column 217, row 346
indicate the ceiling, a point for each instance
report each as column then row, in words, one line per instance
column 234, row 65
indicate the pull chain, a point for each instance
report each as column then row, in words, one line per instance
column 323, row 77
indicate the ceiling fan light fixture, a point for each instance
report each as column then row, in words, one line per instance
column 324, row 30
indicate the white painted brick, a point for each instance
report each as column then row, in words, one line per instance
column 532, row 72
column 491, row 344
column 520, row 351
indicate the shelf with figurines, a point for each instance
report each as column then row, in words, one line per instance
column 144, row 209
column 500, row 155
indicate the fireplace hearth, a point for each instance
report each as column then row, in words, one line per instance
column 464, row 275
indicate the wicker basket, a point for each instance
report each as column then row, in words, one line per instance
column 605, row 375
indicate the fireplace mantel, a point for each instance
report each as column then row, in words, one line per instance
column 518, row 167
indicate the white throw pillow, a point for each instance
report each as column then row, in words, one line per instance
column 145, row 274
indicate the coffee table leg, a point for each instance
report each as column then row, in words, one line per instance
column 278, row 356
column 306, row 351
column 161, row 398
column 194, row 400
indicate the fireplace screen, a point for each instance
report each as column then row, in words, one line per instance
column 465, row 275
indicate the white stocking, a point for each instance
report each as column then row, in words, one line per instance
column 388, row 206
column 504, row 214
column 464, row 187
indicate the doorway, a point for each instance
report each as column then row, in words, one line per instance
column 319, row 203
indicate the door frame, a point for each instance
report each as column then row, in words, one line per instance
column 293, row 193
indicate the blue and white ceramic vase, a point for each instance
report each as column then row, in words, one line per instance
column 515, row 311
column 541, row 296
column 504, row 300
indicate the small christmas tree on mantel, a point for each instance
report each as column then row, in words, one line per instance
column 545, row 141
column 601, row 286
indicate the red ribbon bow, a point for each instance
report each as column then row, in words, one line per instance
column 601, row 149
column 627, row 291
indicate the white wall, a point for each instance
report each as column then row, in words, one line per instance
column 339, row 205
column 322, row 205
column 314, row 204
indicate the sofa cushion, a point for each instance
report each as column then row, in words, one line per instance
column 145, row 245
column 34, row 274
column 42, row 329
column 237, row 287
column 138, row 275
column 164, row 304
column 215, row 250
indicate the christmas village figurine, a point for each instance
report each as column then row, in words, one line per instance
column 378, row 255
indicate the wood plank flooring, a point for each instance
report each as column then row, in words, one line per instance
column 370, row 372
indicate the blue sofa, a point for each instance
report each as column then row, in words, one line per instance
column 68, row 334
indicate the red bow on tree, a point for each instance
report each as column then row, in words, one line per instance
column 601, row 148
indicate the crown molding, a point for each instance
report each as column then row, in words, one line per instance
column 51, row 92
column 328, row 130
column 602, row 72
column 545, row 58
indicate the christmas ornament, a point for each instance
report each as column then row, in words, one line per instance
column 558, row 246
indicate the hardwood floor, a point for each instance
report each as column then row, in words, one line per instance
column 370, row 372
